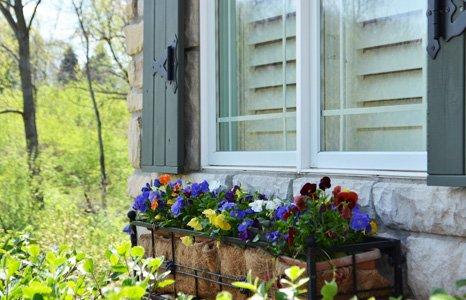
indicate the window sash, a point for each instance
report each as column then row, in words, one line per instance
column 308, row 108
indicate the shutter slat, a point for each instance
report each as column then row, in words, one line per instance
column 271, row 31
column 390, row 59
column 370, row 10
column 269, row 76
column 272, row 53
column 398, row 85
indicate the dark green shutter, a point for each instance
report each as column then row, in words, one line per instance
column 162, row 131
column 446, row 155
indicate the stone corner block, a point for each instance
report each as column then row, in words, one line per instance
column 135, row 70
column 434, row 262
column 134, row 100
column 134, row 140
column 134, row 37
column 137, row 180
column 271, row 185
column 421, row 208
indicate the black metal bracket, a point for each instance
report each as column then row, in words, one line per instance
column 167, row 64
column 441, row 24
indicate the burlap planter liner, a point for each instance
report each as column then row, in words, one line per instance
column 367, row 275
column 233, row 263
column 227, row 259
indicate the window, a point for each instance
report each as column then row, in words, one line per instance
column 323, row 84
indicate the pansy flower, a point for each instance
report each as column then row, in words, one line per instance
column 164, row 179
column 227, row 206
column 178, row 206
column 199, row 188
column 300, row 202
column 195, row 224
column 257, row 205
column 359, row 220
column 243, row 229
column 141, row 202
column 283, row 212
column 273, row 236
column 309, row 189
column 325, row 183
column 346, row 196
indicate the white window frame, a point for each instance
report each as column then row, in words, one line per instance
column 308, row 155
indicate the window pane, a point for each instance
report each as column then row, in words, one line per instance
column 257, row 75
column 373, row 75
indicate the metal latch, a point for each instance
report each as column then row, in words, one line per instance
column 166, row 65
column 441, row 24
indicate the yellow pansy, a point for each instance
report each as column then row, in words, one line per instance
column 187, row 240
column 158, row 217
column 171, row 201
column 239, row 193
column 220, row 222
column 374, row 227
column 195, row 224
column 210, row 214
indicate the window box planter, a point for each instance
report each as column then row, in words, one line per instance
column 210, row 265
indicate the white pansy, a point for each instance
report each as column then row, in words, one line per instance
column 273, row 204
column 214, row 185
column 257, row 206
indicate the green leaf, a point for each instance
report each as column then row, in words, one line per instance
column 244, row 285
column 155, row 263
column 88, row 265
column 36, row 288
column 114, row 259
column 329, row 290
column 33, row 250
column 132, row 292
column 137, row 251
column 460, row 283
column 280, row 296
column 441, row 297
column 165, row 283
column 294, row 272
column 224, row 296
column 123, row 248
column 12, row 266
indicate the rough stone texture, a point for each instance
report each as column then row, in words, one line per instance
column 131, row 9
column 192, row 111
column 420, row 208
column 134, row 100
column 434, row 261
column 224, row 179
column 134, row 140
column 135, row 71
column 140, row 7
column 275, row 186
column 134, row 37
column 191, row 32
column 137, row 180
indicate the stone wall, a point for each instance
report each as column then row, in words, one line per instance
column 430, row 221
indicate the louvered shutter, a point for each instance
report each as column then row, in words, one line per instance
column 162, row 131
column 446, row 114
column 258, row 75
column 374, row 48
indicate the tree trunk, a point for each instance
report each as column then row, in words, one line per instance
column 29, row 114
column 103, row 172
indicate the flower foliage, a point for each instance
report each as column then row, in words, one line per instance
column 332, row 217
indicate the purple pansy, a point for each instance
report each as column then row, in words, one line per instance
column 282, row 212
column 141, row 202
column 273, row 236
column 241, row 214
column 359, row 220
column 177, row 206
column 199, row 188
column 243, row 229
column 227, row 206
column 157, row 183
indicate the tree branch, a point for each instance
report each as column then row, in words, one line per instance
column 11, row 111
column 33, row 14
column 11, row 52
column 8, row 16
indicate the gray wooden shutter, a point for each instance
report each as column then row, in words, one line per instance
column 162, row 135
column 446, row 155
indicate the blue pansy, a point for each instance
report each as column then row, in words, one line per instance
column 227, row 206
column 243, row 229
column 199, row 188
column 141, row 202
column 177, row 206
column 272, row 236
column 157, row 183
column 282, row 211
column 359, row 220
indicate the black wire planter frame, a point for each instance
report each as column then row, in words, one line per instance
column 388, row 246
